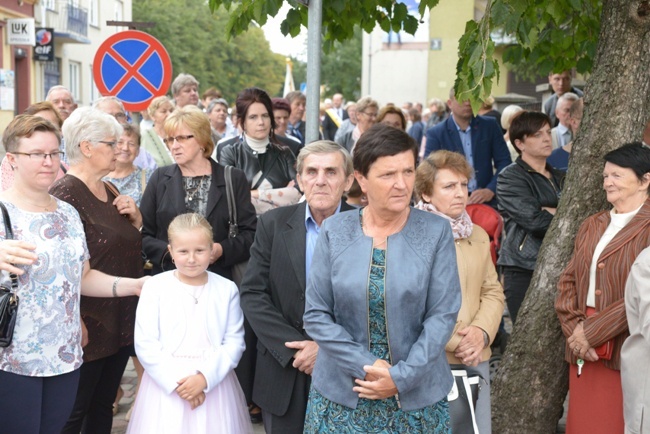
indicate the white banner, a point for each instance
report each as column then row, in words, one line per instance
column 21, row 31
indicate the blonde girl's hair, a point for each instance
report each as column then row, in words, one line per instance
column 188, row 222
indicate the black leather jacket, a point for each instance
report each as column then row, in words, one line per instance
column 235, row 152
column 521, row 194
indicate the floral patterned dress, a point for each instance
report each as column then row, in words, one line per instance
column 375, row 416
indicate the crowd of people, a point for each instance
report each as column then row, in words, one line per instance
column 333, row 286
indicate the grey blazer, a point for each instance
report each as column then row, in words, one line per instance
column 422, row 296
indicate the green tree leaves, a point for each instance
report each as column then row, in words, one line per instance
column 339, row 16
column 197, row 44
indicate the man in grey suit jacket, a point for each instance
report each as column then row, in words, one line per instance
column 273, row 290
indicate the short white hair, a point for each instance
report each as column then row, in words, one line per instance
column 87, row 124
column 104, row 99
column 56, row 88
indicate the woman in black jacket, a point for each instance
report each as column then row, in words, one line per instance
column 268, row 165
column 196, row 183
column 528, row 192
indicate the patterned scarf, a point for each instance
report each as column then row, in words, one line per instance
column 461, row 226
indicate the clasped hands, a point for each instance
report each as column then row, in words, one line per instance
column 191, row 388
column 471, row 346
column 378, row 383
column 579, row 345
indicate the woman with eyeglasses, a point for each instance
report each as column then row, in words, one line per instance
column 367, row 111
column 40, row 369
column 196, row 183
column 47, row 111
column 127, row 177
column 110, row 221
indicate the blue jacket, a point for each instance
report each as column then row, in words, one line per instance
column 489, row 149
column 422, row 296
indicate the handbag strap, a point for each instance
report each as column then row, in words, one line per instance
column 112, row 188
column 233, row 230
column 9, row 235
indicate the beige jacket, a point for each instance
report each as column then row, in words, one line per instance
column 483, row 299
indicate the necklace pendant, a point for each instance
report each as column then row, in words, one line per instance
column 190, row 198
column 196, row 301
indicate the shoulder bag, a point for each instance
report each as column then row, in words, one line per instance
column 239, row 269
column 8, row 297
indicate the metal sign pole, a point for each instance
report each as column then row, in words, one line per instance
column 314, row 45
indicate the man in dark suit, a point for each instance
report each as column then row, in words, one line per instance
column 480, row 140
column 333, row 117
column 273, row 290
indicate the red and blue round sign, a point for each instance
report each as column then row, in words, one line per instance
column 134, row 67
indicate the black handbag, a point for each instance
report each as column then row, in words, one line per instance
column 239, row 269
column 462, row 400
column 8, row 297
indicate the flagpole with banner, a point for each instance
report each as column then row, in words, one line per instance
column 288, row 79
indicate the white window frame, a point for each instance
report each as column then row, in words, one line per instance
column 74, row 78
column 93, row 13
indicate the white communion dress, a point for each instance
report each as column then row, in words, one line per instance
column 224, row 410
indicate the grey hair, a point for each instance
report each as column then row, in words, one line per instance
column 181, row 81
column 59, row 87
column 88, row 124
column 569, row 96
column 214, row 102
column 103, row 99
column 366, row 102
column 324, row 147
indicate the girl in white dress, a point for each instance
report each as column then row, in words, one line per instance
column 189, row 337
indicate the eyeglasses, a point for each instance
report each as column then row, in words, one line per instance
column 119, row 116
column 180, row 139
column 41, row 155
column 370, row 115
column 111, row 144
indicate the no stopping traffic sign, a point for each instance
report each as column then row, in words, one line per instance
column 134, row 67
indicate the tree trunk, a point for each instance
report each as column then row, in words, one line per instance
column 532, row 381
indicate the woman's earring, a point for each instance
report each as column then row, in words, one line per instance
column 173, row 262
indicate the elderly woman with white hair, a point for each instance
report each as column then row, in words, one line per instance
column 111, row 222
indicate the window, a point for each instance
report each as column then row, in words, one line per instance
column 119, row 9
column 93, row 13
column 50, row 4
column 51, row 74
column 75, row 79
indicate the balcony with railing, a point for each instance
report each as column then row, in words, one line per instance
column 70, row 22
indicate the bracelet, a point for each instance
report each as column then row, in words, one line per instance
column 486, row 339
column 117, row 279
